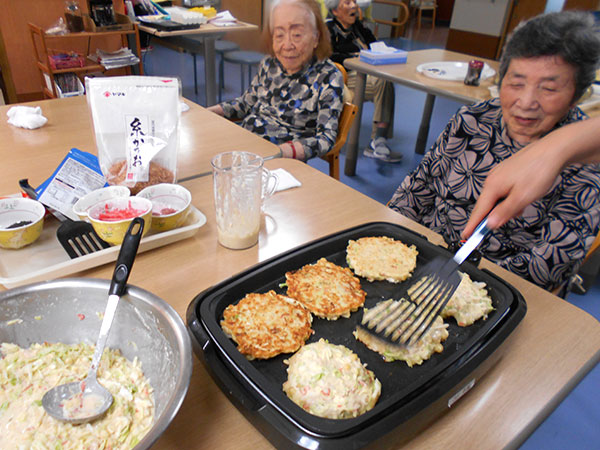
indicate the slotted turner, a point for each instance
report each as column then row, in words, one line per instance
column 77, row 237
column 404, row 323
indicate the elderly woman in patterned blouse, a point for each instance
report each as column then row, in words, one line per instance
column 547, row 64
column 295, row 99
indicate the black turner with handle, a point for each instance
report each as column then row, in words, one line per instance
column 77, row 237
column 403, row 324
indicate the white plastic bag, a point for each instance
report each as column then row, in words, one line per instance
column 136, row 124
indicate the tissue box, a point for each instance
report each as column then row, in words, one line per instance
column 371, row 57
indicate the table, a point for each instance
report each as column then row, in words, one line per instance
column 209, row 33
column 537, row 371
column 34, row 154
column 407, row 75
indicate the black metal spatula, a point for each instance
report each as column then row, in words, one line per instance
column 404, row 323
column 77, row 237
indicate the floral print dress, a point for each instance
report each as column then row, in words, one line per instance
column 548, row 243
column 303, row 107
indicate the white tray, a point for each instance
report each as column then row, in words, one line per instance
column 46, row 258
column 451, row 70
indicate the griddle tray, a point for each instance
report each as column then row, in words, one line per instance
column 408, row 394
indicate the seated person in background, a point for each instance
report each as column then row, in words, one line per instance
column 295, row 99
column 547, row 64
column 348, row 37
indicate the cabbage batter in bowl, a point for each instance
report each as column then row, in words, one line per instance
column 26, row 375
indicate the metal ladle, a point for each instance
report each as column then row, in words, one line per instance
column 98, row 398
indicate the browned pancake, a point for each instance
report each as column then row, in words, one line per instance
column 327, row 290
column 381, row 258
column 265, row 325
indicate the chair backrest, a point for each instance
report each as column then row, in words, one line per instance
column 344, row 124
column 594, row 246
column 399, row 22
column 343, row 70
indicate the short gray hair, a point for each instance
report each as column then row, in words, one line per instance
column 568, row 34
column 331, row 4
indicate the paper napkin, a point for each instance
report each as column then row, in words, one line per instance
column 26, row 117
column 285, row 180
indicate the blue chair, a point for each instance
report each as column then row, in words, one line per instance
column 244, row 58
column 194, row 45
column 222, row 47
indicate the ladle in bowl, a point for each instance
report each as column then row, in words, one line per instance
column 86, row 400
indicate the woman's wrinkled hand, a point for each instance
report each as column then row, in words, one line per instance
column 513, row 185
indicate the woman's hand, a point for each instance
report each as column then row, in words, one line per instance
column 217, row 109
column 511, row 186
column 529, row 174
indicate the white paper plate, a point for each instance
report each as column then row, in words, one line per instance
column 451, row 70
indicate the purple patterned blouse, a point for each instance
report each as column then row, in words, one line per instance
column 548, row 243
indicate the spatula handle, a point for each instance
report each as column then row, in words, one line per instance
column 480, row 232
column 129, row 248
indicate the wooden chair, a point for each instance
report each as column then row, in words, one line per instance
column 344, row 124
column 589, row 270
column 397, row 24
column 424, row 5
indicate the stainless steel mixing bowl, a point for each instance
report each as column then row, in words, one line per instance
column 69, row 311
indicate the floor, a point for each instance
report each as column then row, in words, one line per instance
column 575, row 423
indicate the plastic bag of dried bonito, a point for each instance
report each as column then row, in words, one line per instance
column 136, row 124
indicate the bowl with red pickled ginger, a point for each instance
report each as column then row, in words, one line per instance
column 170, row 205
column 111, row 218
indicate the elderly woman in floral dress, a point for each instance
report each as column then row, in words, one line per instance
column 295, row 100
column 547, row 64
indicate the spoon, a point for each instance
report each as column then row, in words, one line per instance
column 86, row 400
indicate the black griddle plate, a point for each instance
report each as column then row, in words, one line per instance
column 405, row 391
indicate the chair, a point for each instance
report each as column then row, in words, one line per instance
column 244, row 58
column 222, row 47
column 587, row 273
column 195, row 45
column 424, row 5
column 344, row 124
column 397, row 23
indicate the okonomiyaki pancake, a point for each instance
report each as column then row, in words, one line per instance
column 326, row 289
column 469, row 303
column 381, row 258
column 265, row 325
column 330, row 381
column 413, row 354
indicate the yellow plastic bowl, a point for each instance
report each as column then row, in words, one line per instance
column 14, row 211
column 83, row 205
column 170, row 205
column 113, row 231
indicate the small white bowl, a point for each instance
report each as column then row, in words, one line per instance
column 170, row 205
column 83, row 205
